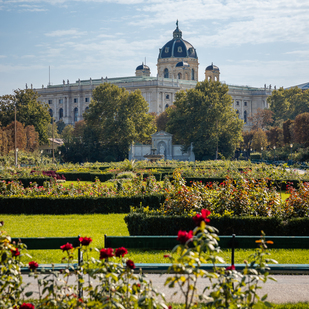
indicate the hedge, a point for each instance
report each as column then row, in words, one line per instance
column 76, row 205
column 279, row 184
column 140, row 224
column 87, row 176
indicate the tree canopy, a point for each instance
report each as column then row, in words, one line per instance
column 29, row 111
column 288, row 103
column 205, row 117
column 116, row 118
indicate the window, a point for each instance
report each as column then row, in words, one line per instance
column 60, row 101
column 167, row 96
column 179, row 76
column 50, row 101
column 245, row 103
column 179, row 49
column 165, row 73
column 192, row 74
column 60, row 113
column 237, row 103
column 167, row 49
column 75, row 114
column 245, row 116
column 51, row 112
column 166, row 106
column 75, row 100
column 86, row 100
column 86, row 108
column 237, row 112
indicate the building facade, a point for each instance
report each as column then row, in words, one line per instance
column 177, row 69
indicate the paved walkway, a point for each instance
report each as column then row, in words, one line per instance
column 287, row 289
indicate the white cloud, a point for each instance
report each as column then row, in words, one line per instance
column 2, row 56
column 71, row 32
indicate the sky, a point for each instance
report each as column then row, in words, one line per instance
column 253, row 42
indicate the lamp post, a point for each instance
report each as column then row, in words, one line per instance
column 16, row 155
column 41, row 156
column 60, row 156
column 262, row 153
column 245, row 155
column 274, row 153
column 250, row 153
column 291, row 147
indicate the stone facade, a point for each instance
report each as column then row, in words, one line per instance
column 177, row 69
column 162, row 145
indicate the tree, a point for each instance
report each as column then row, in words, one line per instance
column 21, row 138
column 259, row 140
column 60, row 126
column 301, row 128
column 28, row 109
column 79, row 129
column 50, row 131
column 288, row 103
column 204, row 116
column 287, row 131
column 117, row 118
column 162, row 119
column 32, row 138
column 67, row 134
column 275, row 136
column 261, row 119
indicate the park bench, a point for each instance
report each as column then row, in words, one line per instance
column 226, row 242
column 50, row 243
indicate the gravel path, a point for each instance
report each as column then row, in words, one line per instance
column 286, row 289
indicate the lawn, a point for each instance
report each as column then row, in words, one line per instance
column 96, row 225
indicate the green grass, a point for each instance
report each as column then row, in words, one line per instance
column 96, row 225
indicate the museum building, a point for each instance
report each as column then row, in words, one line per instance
column 177, row 69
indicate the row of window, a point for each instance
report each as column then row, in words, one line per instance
column 61, row 113
column 245, row 115
column 75, row 100
column 245, row 103
column 179, row 76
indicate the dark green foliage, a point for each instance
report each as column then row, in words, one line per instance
column 140, row 224
column 77, row 205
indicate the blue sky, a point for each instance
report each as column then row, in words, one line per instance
column 253, row 42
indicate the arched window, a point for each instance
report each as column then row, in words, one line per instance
column 75, row 114
column 51, row 113
column 237, row 112
column 166, row 106
column 165, row 73
column 60, row 113
column 86, row 108
column 179, row 76
column 245, row 116
column 192, row 74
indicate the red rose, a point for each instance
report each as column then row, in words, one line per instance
column 184, row 236
column 121, row 252
column 85, row 241
column 66, row 247
column 130, row 264
column 26, row 306
column 106, row 253
column 15, row 252
column 33, row 265
column 232, row 267
column 202, row 217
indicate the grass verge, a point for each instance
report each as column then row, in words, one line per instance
column 96, row 225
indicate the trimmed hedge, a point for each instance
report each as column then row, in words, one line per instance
column 279, row 184
column 87, row 176
column 140, row 224
column 76, row 205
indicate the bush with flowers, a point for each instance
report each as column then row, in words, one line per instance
column 110, row 281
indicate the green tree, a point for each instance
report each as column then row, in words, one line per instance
column 117, row 118
column 50, row 131
column 205, row 117
column 67, row 134
column 301, row 129
column 60, row 126
column 288, row 103
column 259, row 140
column 29, row 111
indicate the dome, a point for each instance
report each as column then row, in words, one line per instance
column 142, row 67
column 177, row 47
column 212, row 67
column 182, row 64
